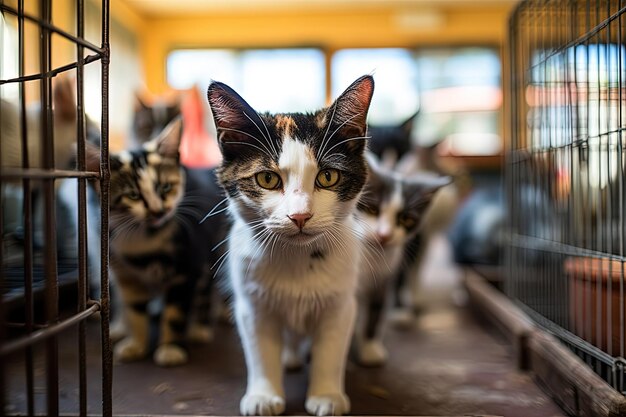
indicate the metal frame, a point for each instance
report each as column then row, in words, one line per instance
column 47, row 333
column 564, row 175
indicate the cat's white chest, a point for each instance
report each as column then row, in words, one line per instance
column 293, row 285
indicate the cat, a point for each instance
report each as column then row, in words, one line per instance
column 293, row 181
column 149, row 120
column 391, row 142
column 392, row 209
column 64, row 129
column 159, row 245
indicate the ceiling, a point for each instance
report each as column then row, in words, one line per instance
column 178, row 7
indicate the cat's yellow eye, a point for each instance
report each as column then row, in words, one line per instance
column 166, row 188
column 326, row 178
column 268, row 180
column 133, row 195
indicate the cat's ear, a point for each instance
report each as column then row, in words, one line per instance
column 349, row 111
column 374, row 164
column 167, row 144
column 63, row 100
column 407, row 125
column 140, row 104
column 235, row 120
column 428, row 184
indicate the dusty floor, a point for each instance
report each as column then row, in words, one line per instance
column 447, row 364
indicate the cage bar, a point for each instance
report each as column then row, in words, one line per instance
column 564, row 175
column 21, row 337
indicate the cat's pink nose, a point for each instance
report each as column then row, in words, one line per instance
column 299, row 219
column 383, row 238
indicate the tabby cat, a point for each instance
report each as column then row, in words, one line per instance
column 150, row 119
column 293, row 181
column 392, row 209
column 159, row 246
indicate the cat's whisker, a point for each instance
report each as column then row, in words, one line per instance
column 268, row 137
column 348, row 140
column 257, row 226
column 263, row 149
column 349, row 119
column 211, row 214
column 326, row 134
column 225, row 199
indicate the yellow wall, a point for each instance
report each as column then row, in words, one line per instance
column 380, row 26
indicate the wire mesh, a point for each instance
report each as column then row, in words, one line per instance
column 34, row 281
column 564, row 174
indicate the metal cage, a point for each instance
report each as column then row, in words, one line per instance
column 564, row 175
column 33, row 333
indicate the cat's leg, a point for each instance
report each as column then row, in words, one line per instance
column 331, row 340
column 262, row 343
column 173, row 325
column 406, row 305
column 135, row 310
column 202, row 316
column 370, row 350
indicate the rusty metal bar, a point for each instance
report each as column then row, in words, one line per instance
column 50, row 253
column 82, row 211
column 28, row 224
column 48, row 333
column 46, row 25
column 53, row 73
column 37, row 173
column 105, row 175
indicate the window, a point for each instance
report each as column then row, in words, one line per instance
column 275, row 80
column 461, row 97
column 396, row 95
column 457, row 90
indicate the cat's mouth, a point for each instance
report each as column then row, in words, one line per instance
column 303, row 237
column 156, row 222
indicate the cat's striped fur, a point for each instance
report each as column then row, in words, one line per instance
column 159, row 247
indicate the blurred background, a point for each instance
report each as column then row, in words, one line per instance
column 443, row 58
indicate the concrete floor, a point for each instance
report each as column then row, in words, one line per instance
column 449, row 363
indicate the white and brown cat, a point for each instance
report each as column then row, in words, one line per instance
column 293, row 182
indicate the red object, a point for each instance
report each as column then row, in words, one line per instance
column 198, row 149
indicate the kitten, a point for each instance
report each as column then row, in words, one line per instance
column 293, row 181
column 149, row 120
column 391, row 142
column 159, row 247
column 63, row 133
column 392, row 208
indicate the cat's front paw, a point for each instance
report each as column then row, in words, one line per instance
column 260, row 404
column 199, row 333
column 129, row 350
column 336, row 404
column 402, row 318
column 170, row 355
column 372, row 353
column 118, row 330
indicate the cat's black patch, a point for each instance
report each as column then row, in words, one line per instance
column 318, row 254
column 251, row 142
column 140, row 307
column 392, row 138
column 178, row 326
column 164, row 259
